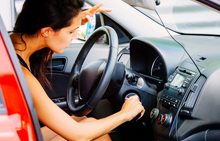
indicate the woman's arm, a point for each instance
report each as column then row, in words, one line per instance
column 61, row 123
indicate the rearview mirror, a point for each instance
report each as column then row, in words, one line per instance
column 148, row 4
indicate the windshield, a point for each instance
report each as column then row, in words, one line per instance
column 186, row 16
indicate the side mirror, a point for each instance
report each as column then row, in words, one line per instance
column 148, row 4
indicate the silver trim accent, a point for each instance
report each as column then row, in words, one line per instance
column 153, row 65
column 140, row 82
column 13, row 13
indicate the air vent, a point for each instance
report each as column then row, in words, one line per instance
column 195, row 89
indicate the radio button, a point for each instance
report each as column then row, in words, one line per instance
column 188, row 78
column 167, row 86
column 181, row 91
column 184, row 85
column 170, row 78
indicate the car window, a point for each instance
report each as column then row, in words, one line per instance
column 186, row 16
column 18, row 6
column 123, row 35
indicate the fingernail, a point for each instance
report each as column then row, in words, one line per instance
column 87, row 16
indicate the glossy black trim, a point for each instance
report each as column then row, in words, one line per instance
column 21, row 79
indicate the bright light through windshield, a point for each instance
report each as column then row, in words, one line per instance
column 186, row 16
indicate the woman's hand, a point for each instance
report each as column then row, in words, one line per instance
column 86, row 15
column 132, row 107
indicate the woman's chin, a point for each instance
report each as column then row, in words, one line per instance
column 59, row 51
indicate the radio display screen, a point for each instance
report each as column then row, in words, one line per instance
column 178, row 81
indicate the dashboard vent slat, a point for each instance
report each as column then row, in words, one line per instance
column 195, row 92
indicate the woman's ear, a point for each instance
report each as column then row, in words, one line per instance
column 46, row 31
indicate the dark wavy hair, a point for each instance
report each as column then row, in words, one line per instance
column 37, row 14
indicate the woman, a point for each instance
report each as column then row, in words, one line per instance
column 42, row 28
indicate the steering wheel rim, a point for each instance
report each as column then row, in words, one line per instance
column 105, row 79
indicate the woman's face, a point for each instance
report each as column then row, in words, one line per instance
column 61, row 39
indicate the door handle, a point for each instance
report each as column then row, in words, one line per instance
column 57, row 67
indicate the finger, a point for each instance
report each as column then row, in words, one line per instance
column 135, row 97
column 95, row 8
column 104, row 9
column 142, row 113
column 85, row 19
column 88, row 17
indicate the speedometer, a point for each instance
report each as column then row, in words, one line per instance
column 157, row 67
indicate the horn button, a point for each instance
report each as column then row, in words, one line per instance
column 89, row 77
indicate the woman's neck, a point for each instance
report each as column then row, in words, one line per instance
column 31, row 45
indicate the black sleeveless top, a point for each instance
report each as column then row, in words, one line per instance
column 22, row 62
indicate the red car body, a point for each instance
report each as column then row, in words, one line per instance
column 18, row 120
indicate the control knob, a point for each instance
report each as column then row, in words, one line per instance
column 159, row 118
column 167, row 86
column 132, row 79
column 181, row 91
column 154, row 113
column 166, row 119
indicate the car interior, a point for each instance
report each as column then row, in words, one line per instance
column 175, row 77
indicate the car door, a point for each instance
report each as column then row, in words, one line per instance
column 18, row 119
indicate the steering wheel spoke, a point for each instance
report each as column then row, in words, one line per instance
column 75, row 81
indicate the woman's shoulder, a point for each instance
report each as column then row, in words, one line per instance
column 35, row 88
column 30, row 78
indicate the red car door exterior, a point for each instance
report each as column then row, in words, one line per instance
column 18, row 120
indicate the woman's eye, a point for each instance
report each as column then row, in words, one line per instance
column 73, row 31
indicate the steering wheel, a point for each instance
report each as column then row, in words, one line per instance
column 74, row 88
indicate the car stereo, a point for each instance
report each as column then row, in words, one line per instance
column 175, row 90
column 176, row 87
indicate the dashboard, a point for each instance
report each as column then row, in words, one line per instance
column 187, row 96
column 152, row 59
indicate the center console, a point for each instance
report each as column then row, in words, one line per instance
column 175, row 100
